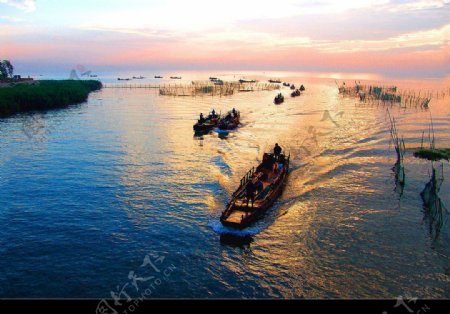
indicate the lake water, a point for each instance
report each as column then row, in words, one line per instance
column 118, row 191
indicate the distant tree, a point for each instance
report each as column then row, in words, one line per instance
column 6, row 69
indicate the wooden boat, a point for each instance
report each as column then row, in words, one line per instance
column 121, row 79
column 296, row 93
column 292, row 86
column 274, row 81
column 157, row 76
column 302, row 88
column 286, row 84
column 175, row 77
column 209, row 123
column 278, row 99
column 230, row 121
column 138, row 77
column 212, row 78
column 237, row 214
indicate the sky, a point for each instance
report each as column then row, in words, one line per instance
column 391, row 38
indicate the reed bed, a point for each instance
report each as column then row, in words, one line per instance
column 203, row 88
column 383, row 95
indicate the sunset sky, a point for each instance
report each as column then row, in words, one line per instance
column 392, row 38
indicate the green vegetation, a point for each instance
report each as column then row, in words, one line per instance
column 42, row 95
column 433, row 153
column 6, row 69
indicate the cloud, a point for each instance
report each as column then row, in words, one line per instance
column 415, row 5
column 11, row 19
column 24, row 5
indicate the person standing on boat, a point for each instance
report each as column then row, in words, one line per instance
column 202, row 119
column 250, row 189
column 276, row 151
column 234, row 112
column 213, row 113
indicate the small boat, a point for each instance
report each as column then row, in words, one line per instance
column 157, row 76
column 274, row 81
column 272, row 174
column 292, row 86
column 278, row 99
column 138, row 77
column 212, row 78
column 230, row 121
column 93, row 75
column 175, row 77
column 209, row 123
column 246, row 81
column 218, row 82
column 286, row 84
column 302, row 88
column 296, row 93
column 121, row 79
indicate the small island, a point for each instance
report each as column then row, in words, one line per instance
column 21, row 95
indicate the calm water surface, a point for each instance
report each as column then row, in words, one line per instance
column 87, row 192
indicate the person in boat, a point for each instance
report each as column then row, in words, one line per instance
column 213, row 113
column 276, row 151
column 259, row 186
column 250, row 192
column 281, row 161
column 202, row 119
column 234, row 112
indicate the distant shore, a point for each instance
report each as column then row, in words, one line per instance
column 44, row 94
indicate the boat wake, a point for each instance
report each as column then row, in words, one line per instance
column 218, row 228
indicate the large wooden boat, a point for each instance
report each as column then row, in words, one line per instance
column 209, row 123
column 230, row 121
column 240, row 213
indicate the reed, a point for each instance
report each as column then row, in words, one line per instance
column 45, row 94
column 399, row 144
column 434, row 208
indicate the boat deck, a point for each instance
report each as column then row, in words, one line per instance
column 236, row 216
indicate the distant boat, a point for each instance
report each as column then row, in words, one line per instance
column 286, row 84
column 230, row 121
column 175, row 77
column 157, row 76
column 278, row 99
column 212, row 78
column 93, row 75
column 246, row 81
column 292, row 86
column 207, row 123
column 138, row 77
column 296, row 93
column 274, row 81
column 302, row 88
column 218, row 82
column 123, row 79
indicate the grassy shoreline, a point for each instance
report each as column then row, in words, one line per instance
column 45, row 94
